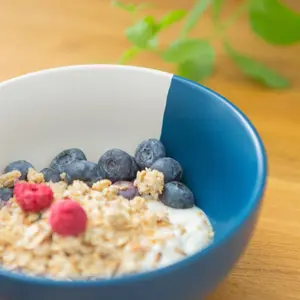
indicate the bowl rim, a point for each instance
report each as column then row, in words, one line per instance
column 254, row 200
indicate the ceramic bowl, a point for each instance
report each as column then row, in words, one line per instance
column 98, row 107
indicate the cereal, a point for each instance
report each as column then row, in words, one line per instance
column 63, row 176
column 58, row 188
column 8, row 179
column 101, row 185
column 150, row 183
column 34, row 176
column 120, row 235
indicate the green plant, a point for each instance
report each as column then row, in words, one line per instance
column 271, row 20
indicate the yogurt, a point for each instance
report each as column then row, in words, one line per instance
column 191, row 231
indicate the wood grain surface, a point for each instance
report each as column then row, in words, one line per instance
column 38, row 34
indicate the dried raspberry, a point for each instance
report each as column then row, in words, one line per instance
column 33, row 197
column 67, row 218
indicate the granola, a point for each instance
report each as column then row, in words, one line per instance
column 122, row 236
column 8, row 179
column 150, row 183
column 34, row 176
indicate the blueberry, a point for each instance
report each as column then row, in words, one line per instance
column 169, row 167
column 19, row 165
column 116, row 165
column 127, row 189
column 51, row 175
column 148, row 152
column 135, row 169
column 6, row 194
column 82, row 170
column 177, row 195
column 66, row 157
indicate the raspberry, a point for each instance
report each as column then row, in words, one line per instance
column 67, row 218
column 33, row 197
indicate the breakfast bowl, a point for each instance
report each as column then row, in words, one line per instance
column 101, row 107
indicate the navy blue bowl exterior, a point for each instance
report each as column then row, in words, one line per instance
column 224, row 163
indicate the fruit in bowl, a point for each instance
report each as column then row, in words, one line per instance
column 122, row 218
column 109, row 227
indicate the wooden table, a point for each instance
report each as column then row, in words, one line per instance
column 37, row 34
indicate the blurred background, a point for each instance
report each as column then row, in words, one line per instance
column 38, row 34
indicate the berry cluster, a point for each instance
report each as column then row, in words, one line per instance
column 66, row 216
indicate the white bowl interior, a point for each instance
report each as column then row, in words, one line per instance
column 94, row 108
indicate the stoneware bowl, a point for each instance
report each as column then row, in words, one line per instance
column 98, row 107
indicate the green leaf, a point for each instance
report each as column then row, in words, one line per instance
column 130, row 7
column 129, row 54
column 153, row 43
column 274, row 22
column 196, row 69
column 127, row 7
column 195, row 58
column 188, row 50
column 172, row 17
column 194, row 16
column 257, row 70
column 216, row 9
column 142, row 32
